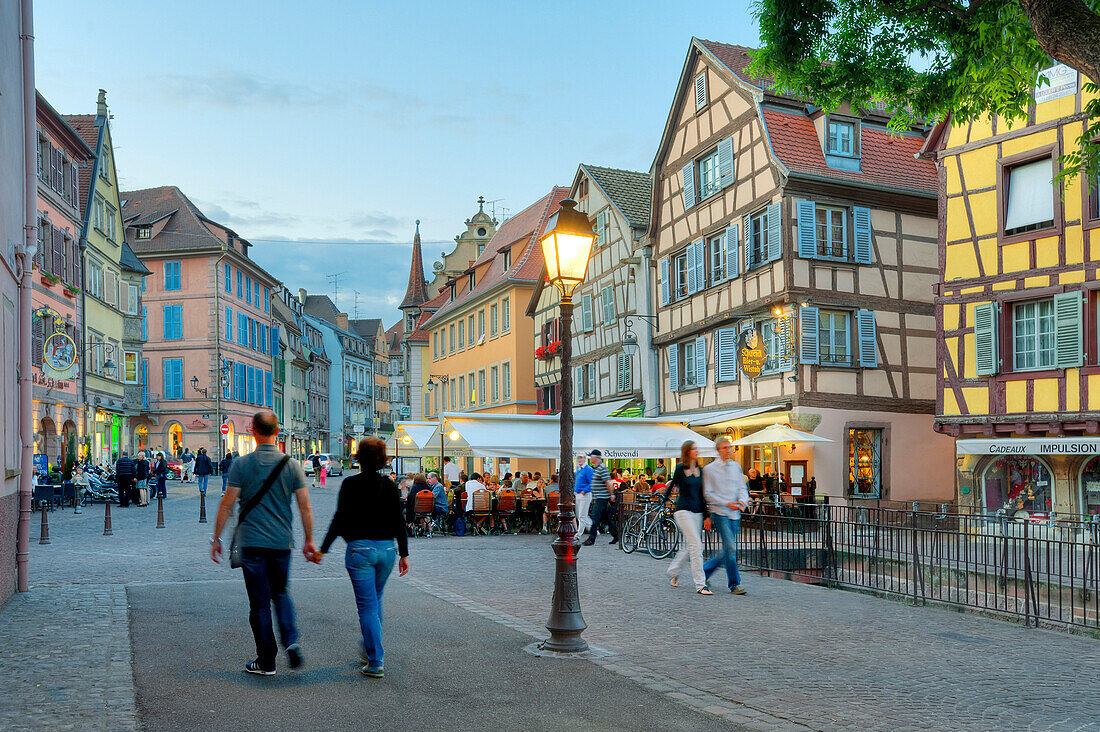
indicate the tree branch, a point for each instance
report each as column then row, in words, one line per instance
column 1068, row 30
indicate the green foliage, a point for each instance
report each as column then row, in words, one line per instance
column 921, row 60
column 70, row 456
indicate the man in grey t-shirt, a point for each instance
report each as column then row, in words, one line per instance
column 266, row 539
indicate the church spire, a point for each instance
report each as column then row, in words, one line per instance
column 417, row 292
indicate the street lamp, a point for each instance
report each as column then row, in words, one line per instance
column 630, row 341
column 566, row 247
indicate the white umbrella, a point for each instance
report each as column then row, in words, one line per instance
column 779, row 434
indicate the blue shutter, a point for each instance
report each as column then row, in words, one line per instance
column 807, row 229
column 746, row 226
column 267, row 300
column 725, row 354
column 229, row 324
column 240, row 283
column 268, row 391
column 275, row 350
column 692, row 282
column 144, row 322
column 665, row 286
column 775, row 231
column 733, row 253
column 248, row 290
column 673, row 367
column 865, row 335
column 251, row 385
column 986, row 362
column 228, row 278
column 700, row 269
column 701, row 361
column 862, row 218
column 689, row 184
column 1068, row 348
column 808, row 343
column 726, row 173
column 587, row 317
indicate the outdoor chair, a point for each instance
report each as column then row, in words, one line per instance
column 423, row 506
column 483, row 511
column 68, row 496
column 506, row 510
column 43, row 496
column 553, row 511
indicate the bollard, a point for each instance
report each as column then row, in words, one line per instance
column 202, row 508
column 107, row 519
column 78, row 501
column 160, row 512
column 44, row 534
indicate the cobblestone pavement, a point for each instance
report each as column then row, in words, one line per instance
column 785, row 656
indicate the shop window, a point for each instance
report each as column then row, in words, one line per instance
column 1090, row 488
column 765, row 459
column 865, row 463
column 1017, row 484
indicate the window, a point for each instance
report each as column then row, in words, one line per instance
column 248, row 289
column 470, row 330
column 701, row 90
column 173, row 378
column 506, row 380
column 480, row 325
column 757, row 238
column 451, row 338
column 481, row 395
column 834, row 338
column 688, row 372
column 242, row 329
column 435, row 346
column 708, row 174
column 173, row 322
column 507, row 259
column 764, row 459
column 145, row 384
column 841, row 139
column 240, row 283
column 171, row 275
column 832, row 232
column 679, row 275
column 462, row 337
column 505, row 316
column 95, row 279
column 607, row 301
column 132, row 300
column 110, row 214
column 716, row 257
column 494, row 383
column 493, row 325
column 461, row 392
column 1033, row 335
column 144, row 232
column 129, row 367
column 453, row 395
column 865, row 463
column 228, row 277
column 601, row 229
column 1029, row 199
column 98, row 205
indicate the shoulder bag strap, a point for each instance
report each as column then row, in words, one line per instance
column 255, row 500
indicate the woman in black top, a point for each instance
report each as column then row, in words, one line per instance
column 368, row 517
column 690, row 509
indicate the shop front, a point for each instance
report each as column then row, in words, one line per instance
column 106, row 437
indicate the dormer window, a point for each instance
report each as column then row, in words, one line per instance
column 144, row 232
column 841, row 139
column 471, row 282
column 507, row 259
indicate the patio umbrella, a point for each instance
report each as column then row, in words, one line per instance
column 778, row 434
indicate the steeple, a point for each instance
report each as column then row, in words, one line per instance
column 417, row 292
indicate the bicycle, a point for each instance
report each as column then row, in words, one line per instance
column 656, row 528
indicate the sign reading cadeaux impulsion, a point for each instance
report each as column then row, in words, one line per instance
column 751, row 353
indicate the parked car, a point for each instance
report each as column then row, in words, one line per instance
column 332, row 464
column 175, row 468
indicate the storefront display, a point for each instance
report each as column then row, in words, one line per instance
column 1090, row 487
column 1021, row 483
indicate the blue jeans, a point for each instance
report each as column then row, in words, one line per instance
column 225, row 482
column 202, row 479
column 369, row 563
column 265, row 576
column 727, row 530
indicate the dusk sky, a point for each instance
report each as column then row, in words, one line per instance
column 321, row 131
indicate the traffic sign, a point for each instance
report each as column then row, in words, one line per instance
column 225, row 428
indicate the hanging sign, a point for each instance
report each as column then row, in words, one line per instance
column 751, row 353
column 1063, row 83
column 59, row 357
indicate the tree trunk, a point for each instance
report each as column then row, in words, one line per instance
column 1069, row 31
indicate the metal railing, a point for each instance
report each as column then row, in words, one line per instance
column 1042, row 569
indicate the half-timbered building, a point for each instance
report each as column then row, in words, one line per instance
column 1019, row 372
column 813, row 235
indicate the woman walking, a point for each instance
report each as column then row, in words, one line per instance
column 691, row 507
column 368, row 517
column 160, row 475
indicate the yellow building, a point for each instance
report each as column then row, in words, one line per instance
column 1016, row 312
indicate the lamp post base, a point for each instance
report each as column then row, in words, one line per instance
column 566, row 622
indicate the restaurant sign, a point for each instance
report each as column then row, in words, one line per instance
column 1030, row 446
column 59, row 357
column 751, row 353
column 621, row 454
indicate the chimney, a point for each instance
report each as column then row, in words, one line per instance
column 302, row 295
column 342, row 320
column 101, row 105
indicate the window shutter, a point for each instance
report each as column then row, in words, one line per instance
column 807, row 229
column 78, row 265
column 689, row 268
column 38, row 339
column 732, row 253
column 664, row 282
column 775, row 231
column 868, row 345
column 58, row 175
column 725, row 162
column 725, row 354
column 1068, row 348
column 67, row 259
column 689, row 184
column 591, row 379
column 540, row 403
column 808, row 345
column 862, row 238
column 673, row 367
column 74, row 186
column 701, row 361
column 986, row 361
column 747, row 228
column 700, row 270
column 701, row 90
column 587, row 321
column 601, row 224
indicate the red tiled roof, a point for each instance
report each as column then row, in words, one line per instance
column 523, row 228
column 84, row 125
column 737, row 59
column 886, row 159
column 394, row 335
column 417, row 291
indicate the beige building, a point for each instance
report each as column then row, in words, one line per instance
column 468, row 247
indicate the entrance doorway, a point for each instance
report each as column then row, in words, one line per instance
column 797, row 480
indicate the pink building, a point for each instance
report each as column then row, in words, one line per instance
column 208, row 326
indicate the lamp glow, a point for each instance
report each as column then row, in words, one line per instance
column 453, row 435
column 566, row 247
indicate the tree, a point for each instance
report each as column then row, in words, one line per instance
column 925, row 59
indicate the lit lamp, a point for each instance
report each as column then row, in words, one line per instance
column 566, row 247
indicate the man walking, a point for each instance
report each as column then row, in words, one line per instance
column 203, row 469
column 727, row 493
column 125, row 474
column 601, row 500
column 582, row 490
column 265, row 480
column 187, row 465
column 223, row 468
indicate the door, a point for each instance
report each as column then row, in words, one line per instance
column 796, row 477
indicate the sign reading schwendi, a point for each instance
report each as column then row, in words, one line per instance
column 1029, row 446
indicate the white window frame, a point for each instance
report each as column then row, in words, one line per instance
column 708, row 175
column 1033, row 340
column 688, row 370
column 825, row 218
column 834, row 137
column 830, row 339
column 678, row 275
column 494, row 326
column 127, row 356
column 757, row 234
column 717, row 257
column 505, row 315
column 132, row 302
column 506, row 380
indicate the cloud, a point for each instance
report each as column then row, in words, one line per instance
column 235, row 91
column 242, row 222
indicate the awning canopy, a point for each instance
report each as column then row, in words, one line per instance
column 779, row 434
column 719, row 416
column 415, row 439
column 538, row 436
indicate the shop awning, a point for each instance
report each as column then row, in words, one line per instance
column 777, row 434
column 537, row 436
column 1029, row 446
column 705, row 419
column 606, row 409
column 420, row 439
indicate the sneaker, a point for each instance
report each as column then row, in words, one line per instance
column 294, row 654
column 253, row 667
column 363, row 657
column 375, row 672
column 614, row 541
column 588, row 542
column 739, row 590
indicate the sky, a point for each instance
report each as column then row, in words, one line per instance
column 322, row 131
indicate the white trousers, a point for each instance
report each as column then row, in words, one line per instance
column 584, row 502
column 691, row 546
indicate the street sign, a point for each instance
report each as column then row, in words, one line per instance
column 225, row 428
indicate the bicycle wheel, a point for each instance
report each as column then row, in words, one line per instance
column 632, row 533
column 663, row 538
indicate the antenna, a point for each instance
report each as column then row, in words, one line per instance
column 494, row 203
column 335, row 280
column 355, row 306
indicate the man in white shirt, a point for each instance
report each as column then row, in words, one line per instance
column 727, row 493
column 473, row 485
column 451, row 471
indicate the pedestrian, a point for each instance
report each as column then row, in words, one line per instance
column 315, row 461
column 265, row 480
column 203, row 469
column 160, row 476
column 322, row 473
column 582, row 491
column 368, row 518
column 690, row 510
column 125, row 474
column 419, row 483
column 187, row 465
column 600, row 511
column 727, row 495
column 224, row 467
column 451, row 471
column 142, row 479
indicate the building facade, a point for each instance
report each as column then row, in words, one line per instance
column 292, row 366
column 208, row 326
column 1017, row 308
column 318, row 391
column 794, row 253
column 469, row 245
